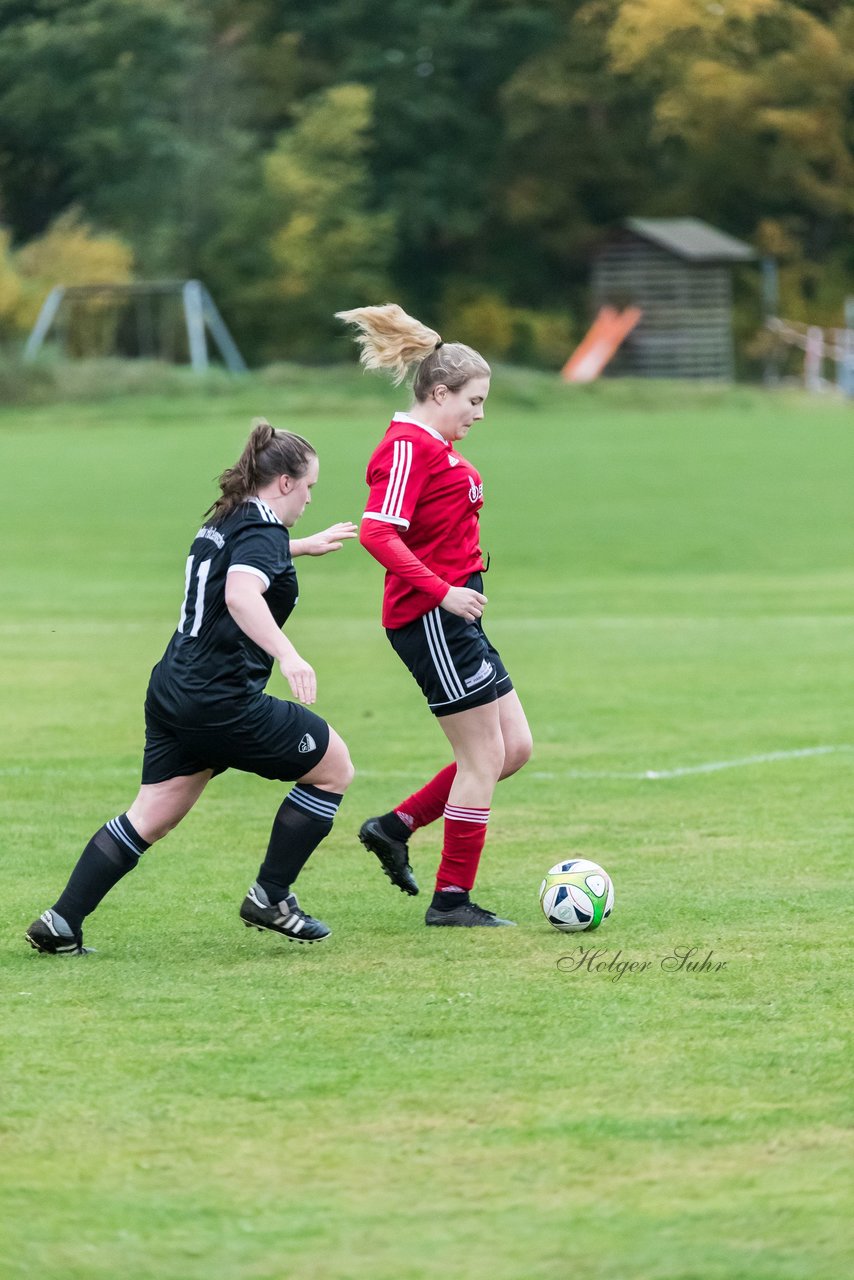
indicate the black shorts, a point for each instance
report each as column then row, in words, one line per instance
column 452, row 660
column 270, row 737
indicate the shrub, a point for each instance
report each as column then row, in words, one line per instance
column 543, row 339
column 10, row 287
column 69, row 253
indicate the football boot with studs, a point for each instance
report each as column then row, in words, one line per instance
column 53, row 936
column 393, row 855
column 286, row 917
column 465, row 914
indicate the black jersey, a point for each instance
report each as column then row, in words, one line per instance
column 209, row 661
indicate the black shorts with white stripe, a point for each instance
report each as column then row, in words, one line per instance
column 453, row 661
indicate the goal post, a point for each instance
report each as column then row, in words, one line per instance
column 136, row 319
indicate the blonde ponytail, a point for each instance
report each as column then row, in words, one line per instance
column 390, row 339
column 398, row 343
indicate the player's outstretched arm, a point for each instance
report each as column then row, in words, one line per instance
column 319, row 544
column 245, row 602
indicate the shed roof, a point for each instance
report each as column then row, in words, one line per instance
column 691, row 239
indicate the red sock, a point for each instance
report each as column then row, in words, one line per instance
column 428, row 804
column 465, row 833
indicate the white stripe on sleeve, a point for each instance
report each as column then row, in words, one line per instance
column 395, row 520
column 398, row 476
column 248, row 568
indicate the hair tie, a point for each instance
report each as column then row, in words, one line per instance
column 439, row 344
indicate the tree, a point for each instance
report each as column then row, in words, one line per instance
column 435, row 149
column 738, row 112
column 86, row 94
column 132, row 110
column 331, row 250
column 578, row 139
column 755, row 95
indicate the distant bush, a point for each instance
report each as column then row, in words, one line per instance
column 483, row 322
column 10, row 287
column 543, row 339
column 72, row 252
column 540, row 339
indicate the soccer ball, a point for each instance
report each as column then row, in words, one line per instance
column 577, row 895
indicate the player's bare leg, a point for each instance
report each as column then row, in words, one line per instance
column 515, row 734
column 160, row 806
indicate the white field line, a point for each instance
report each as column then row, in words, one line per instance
column 648, row 775
column 712, row 766
column 652, row 775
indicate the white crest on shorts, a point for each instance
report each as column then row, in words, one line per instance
column 307, row 744
column 483, row 671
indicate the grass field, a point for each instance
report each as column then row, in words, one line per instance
column 671, row 587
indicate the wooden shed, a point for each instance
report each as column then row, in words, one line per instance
column 679, row 272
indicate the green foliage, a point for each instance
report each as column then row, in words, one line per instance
column 757, row 95
column 811, row 291
column 579, row 139
column 303, row 155
column 130, row 109
column 544, row 339
column 88, row 98
column 69, row 253
column 54, row 380
column 331, row 250
column 10, row 287
column 541, row 339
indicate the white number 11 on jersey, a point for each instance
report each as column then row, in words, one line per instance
column 198, row 607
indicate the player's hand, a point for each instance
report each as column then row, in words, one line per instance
column 465, row 603
column 300, row 676
column 331, row 539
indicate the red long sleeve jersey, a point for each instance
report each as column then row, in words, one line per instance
column 431, row 497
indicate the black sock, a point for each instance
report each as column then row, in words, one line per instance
column 112, row 852
column 304, row 819
column 447, row 899
column 394, row 826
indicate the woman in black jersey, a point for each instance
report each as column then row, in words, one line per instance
column 206, row 709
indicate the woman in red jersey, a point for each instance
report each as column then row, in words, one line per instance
column 421, row 524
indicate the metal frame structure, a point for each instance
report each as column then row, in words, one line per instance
column 201, row 317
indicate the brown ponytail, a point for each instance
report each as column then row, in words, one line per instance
column 268, row 453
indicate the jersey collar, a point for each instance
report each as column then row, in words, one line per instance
column 413, row 422
column 267, row 512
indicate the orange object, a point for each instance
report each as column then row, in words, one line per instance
column 597, row 347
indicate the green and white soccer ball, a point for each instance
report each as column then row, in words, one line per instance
column 576, row 895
